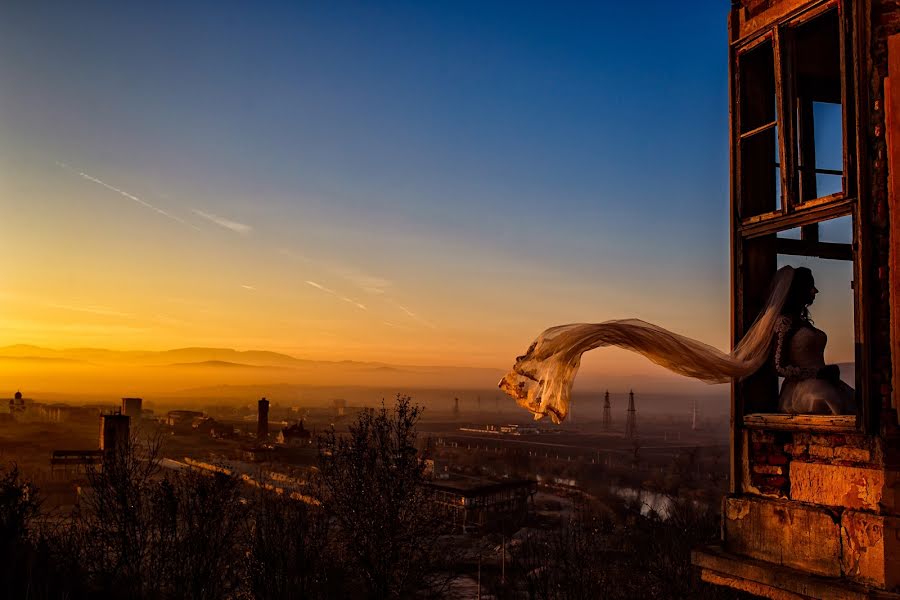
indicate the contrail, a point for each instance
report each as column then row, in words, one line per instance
column 96, row 310
column 413, row 315
column 223, row 222
column 337, row 295
column 121, row 192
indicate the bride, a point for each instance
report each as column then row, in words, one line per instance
column 541, row 380
column 810, row 386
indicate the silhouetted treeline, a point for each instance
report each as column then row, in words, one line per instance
column 596, row 553
column 144, row 532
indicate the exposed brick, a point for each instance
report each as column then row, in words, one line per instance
column 821, row 451
column 852, row 454
column 796, row 449
column 768, row 469
column 778, row 459
column 775, row 481
column 762, row 436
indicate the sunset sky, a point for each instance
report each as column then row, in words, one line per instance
column 372, row 181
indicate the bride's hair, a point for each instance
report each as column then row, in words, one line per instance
column 797, row 302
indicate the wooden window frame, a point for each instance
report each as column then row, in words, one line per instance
column 790, row 210
column 754, row 240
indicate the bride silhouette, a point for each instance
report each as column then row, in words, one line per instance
column 810, row 386
column 541, row 380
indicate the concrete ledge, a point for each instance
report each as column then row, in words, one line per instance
column 832, row 485
column 871, row 548
column 786, row 533
column 775, row 581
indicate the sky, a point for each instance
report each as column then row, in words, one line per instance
column 408, row 182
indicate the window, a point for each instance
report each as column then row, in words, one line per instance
column 792, row 109
column 828, row 253
column 760, row 172
column 793, row 192
column 815, row 95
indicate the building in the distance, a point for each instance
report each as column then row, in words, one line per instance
column 474, row 504
column 340, row 407
column 182, row 421
column 437, row 468
column 132, row 407
column 17, row 405
column 294, row 435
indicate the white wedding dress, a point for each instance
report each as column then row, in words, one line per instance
column 799, row 355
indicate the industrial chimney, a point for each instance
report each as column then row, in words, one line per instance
column 114, row 432
column 262, row 425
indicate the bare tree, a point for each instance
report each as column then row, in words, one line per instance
column 141, row 533
column 197, row 522
column 619, row 555
column 19, row 508
column 373, row 486
column 111, row 537
column 290, row 552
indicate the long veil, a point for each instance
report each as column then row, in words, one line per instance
column 541, row 380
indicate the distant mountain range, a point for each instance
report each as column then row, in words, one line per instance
column 119, row 373
column 164, row 357
column 184, row 368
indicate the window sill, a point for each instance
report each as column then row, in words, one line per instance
column 827, row 423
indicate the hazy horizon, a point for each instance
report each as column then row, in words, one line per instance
column 186, row 370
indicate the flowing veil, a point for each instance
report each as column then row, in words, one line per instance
column 541, row 380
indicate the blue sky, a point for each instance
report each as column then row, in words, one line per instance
column 491, row 168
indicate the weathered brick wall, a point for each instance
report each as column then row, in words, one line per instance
column 846, row 450
column 824, row 503
column 773, row 454
column 769, row 462
column 885, row 20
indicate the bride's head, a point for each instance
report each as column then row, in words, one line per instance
column 801, row 294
